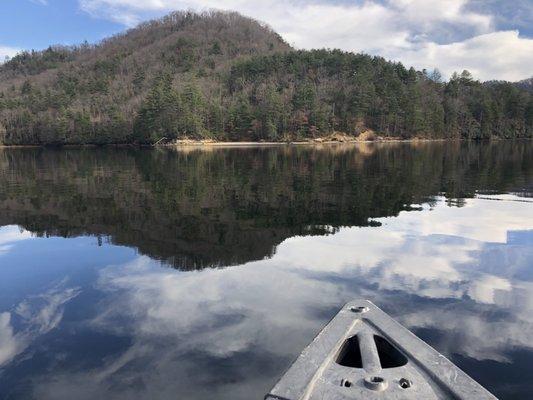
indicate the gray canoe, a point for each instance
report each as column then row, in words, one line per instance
column 364, row 354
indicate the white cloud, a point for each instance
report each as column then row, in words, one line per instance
column 423, row 33
column 495, row 55
column 6, row 51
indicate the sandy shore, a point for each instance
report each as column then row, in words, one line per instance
column 302, row 143
column 212, row 144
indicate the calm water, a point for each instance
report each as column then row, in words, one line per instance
column 155, row 274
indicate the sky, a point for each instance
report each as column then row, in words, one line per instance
column 493, row 39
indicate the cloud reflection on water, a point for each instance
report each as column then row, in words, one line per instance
column 36, row 316
column 9, row 235
column 229, row 333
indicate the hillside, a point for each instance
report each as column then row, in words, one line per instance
column 226, row 77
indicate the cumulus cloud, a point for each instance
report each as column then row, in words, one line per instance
column 449, row 34
column 496, row 55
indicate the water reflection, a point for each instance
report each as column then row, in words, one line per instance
column 82, row 316
column 38, row 315
column 229, row 206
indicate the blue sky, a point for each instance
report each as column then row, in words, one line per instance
column 491, row 38
column 28, row 24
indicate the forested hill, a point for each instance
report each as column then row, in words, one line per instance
column 223, row 76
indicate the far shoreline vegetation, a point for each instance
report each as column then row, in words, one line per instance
column 213, row 144
column 219, row 78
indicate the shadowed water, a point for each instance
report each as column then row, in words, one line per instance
column 201, row 274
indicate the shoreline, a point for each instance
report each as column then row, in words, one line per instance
column 208, row 143
column 295, row 143
column 216, row 144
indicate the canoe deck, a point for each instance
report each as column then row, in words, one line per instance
column 365, row 354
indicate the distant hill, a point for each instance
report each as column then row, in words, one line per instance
column 222, row 76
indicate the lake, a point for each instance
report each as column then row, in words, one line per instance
column 201, row 274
